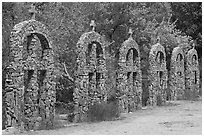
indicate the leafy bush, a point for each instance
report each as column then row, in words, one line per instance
column 159, row 100
column 189, row 95
column 103, row 111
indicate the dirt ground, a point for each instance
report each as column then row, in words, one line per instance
column 176, row 118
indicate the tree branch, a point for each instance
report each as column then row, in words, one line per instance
column 67, row 74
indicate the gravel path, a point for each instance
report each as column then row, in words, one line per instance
column 179, row 117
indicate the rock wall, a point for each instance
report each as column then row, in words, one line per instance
column 129, row 77
column 177, row 76
column 192, row 74
column 90, row 75
column 30, row 83
column 157, row 75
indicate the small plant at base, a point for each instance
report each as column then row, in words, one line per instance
column 103, row 111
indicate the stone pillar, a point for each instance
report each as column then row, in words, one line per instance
column 192, row 75
column 129, row 78
column 158, row 75
column 177, row 77
column 33, row 97
column 91, row 63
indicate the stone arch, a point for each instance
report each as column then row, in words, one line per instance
column 42, row 39
column 192, row 74
column 177, row 76
column 179, row 57
column 97, row 53
column 90, row 74
column 132, row 58
column 129, row 76
column 157, row 75
column 32, row 76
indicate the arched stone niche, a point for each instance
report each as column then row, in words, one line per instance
column 90, row 75
column 30, row 77
column 129, row 76
column 157, row 75
column 177, row 76
column 192, row 74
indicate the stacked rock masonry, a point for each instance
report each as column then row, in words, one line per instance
column 129, row 77
column 30, row 83
column 192, row 74
column 157, row 75
column 177, row 77
column 91, row 73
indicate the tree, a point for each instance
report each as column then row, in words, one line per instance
column 189, row 20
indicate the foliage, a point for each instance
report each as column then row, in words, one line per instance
column 189, row 19
column 103, row 111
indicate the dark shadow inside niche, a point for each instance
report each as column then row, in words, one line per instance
column 98, row 50
column 98, row 76
column 91, row 80
column 43, row 41
column 134, row 57
column 41, row 77
column 160, row 57
column 160, row 74
column 134, row 77
column 91, row 74
column 128, row 77
column 195, row 77
column 27, row 78
column 98, row 79
column 194, row 59
column 29, row 39
column 179, row 57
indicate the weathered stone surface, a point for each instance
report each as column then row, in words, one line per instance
column 30, row 80
column 157, row 75
column 91, row 73
column 192, row 74
column 177, row 76
column 129, row 76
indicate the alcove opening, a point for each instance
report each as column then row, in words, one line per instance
column 179, row 57
column 134, row 57
column 160, row 57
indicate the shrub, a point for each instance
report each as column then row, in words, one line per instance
column 159, row 100
column 189, row 95
column 103, row 111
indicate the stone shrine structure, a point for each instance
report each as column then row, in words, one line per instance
column 30, row 80
column 157, row 75
column 91, row 73
column 192, row 74
column 177, row 76
column 129, row 76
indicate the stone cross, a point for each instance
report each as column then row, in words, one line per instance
column 130, row 32
column 93, row 25
column 158, row 39
column 193, row 45
column 32, row 11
